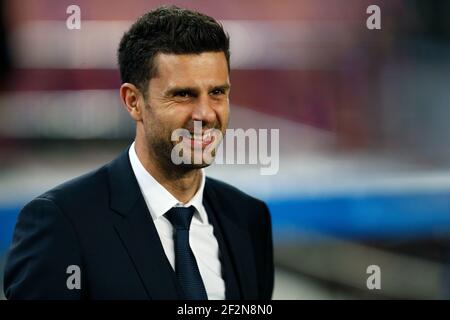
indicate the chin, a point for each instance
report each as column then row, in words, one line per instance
column 194, row 166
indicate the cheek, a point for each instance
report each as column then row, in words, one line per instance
column 153, row 123
column 223, row 112
column 165, row 123
column 179, row 116
column 149, row 120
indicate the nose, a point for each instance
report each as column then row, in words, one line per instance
column 204, row 111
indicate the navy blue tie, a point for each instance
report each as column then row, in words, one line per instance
column 186, row 267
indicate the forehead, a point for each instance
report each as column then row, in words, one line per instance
column 191, row 69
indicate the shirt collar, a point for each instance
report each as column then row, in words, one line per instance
column 158, row 199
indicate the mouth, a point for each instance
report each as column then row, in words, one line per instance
column 199, row 141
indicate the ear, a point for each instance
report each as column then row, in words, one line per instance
column 132, row 100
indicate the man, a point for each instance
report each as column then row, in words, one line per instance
column 143, row 227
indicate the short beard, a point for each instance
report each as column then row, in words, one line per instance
column 161, row 152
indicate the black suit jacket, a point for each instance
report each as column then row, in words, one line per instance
column 100, row 222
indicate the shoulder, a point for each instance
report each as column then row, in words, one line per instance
column 91, row 184
column 229, row 192
column 92, row 188
column 75, row 200
column 239, row 205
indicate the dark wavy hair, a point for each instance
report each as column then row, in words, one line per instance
column 171, row 30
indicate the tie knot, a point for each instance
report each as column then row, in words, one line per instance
column 180, row 217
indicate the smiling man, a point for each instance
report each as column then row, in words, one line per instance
column 143, row 226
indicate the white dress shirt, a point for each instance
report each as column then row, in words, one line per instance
column 201, row 237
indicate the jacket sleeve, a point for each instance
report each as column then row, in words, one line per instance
column 44, row 246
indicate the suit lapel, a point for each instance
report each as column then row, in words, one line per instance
column 138, row 233
column 238, row 242
column 232, row 291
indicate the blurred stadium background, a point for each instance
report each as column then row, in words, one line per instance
column 363, row 116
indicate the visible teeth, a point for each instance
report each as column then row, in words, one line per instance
column 202, row 137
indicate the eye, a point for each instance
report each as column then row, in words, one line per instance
column 182, row 94
column 217, row 92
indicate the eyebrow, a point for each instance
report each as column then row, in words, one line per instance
column 223, row 87
column 194, row 91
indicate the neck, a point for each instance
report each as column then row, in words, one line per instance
column 182, row 184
